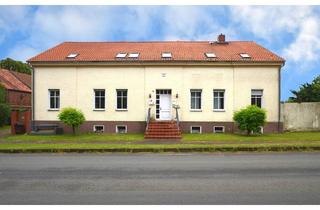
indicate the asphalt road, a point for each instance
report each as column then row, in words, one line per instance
column 160, row 178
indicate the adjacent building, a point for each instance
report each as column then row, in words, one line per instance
column 120, row 86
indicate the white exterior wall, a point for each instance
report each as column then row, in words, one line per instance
column 76, row 86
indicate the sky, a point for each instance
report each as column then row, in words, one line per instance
column 293, row 32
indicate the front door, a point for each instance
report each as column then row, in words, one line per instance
column 165, row 107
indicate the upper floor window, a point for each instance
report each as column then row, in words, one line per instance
column 122, row 99
column 99, row 99
column 256, row 97
column 195, row 99
column 54, row 98
column 218, row 99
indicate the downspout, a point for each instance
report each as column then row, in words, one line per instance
column 279, row 100
column 32, row 96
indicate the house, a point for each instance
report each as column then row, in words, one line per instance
column 123, row 86
column 18, row 89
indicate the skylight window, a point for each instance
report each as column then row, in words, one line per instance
column 245, row 55
column 210, row 55
column 166, row 55
column 133, row 55
column 121, row 55
column 72, row 55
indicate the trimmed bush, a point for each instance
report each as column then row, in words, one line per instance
column 72, row 117
column 250, row 119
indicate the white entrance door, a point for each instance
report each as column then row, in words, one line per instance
column 165, row 107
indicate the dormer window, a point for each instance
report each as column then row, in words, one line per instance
column 245, row 55
column 121, row 55
column 133, row 55
column 166, row 55
column 72, row 55
column 210, row 55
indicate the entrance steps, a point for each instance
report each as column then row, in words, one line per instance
column 163, row 130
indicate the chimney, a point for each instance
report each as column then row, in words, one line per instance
column 221, row 38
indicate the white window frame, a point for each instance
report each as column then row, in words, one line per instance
column 262, row 99
column 94, row 128
column 166, row 55
column 94, row 100
column 49, row 96
column 192, row 126
column 72, row 55
column 122, row 109
column 219, row 98
column 210, row 55
column 121, row 55
column 133, row 55
column 245, row 55
column 126, row 129
column 196, row 109
column 218, row 126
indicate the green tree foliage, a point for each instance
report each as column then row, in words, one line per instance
column 13, row 65
column 2, row 94
column 4, row 113
column 250, row 118
column 72, row 117
column 307, row 92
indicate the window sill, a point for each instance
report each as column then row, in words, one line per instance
column 99, row 110
column 122, row 110
column 53, row 110
column 219, row 110
column 195, row 110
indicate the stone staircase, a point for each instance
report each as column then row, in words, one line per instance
column 163, row 130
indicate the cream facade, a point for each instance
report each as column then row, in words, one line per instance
column 77, row 85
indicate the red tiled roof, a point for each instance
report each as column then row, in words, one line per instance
column 25, row 78
column 151, row 51
column 11, row 82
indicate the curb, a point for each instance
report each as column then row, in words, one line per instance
column 177, row 150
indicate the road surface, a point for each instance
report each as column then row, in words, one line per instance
column 273, row 178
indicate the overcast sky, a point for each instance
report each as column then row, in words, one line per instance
column 292, row 32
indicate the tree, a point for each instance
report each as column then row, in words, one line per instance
column 13, row 65
column 4, row 108
column 250, row 119
column 307, row 92
column 72, row 117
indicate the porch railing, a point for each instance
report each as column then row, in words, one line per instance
column 148, row 118
column 177, row 116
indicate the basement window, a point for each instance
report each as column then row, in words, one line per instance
column 195, row 129
column 166, row 55
column 218, row 129
column 121, row 55
column 210, row 55
column 72, row 55
column 121, row 129
column 98, row 128
column 245, row 55
column 133, row 55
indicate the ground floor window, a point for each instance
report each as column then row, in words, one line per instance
column 122, row 99
column 54, row 98
column 195, row 99
column 218, row 99
column 195, row 129
column 256, row 97
column 218, row 129
column 98, row 128
column 121, row 129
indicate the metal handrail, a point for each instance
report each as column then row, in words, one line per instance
column 177, row 116
column 148, row 117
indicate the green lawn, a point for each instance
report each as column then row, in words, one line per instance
column 6, row 127
column 229, row 142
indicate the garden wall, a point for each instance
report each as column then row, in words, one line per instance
column 301, row 116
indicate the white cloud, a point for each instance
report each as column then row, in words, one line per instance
column 306, row 46
column 267, row 22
